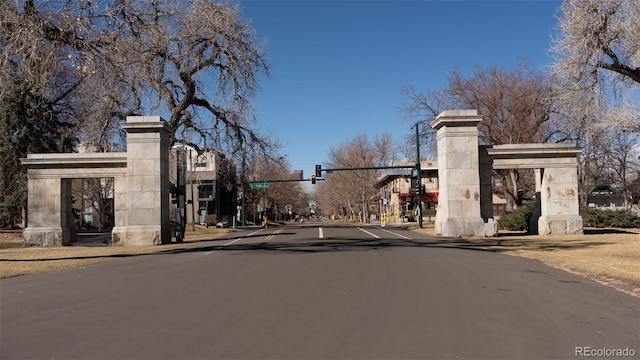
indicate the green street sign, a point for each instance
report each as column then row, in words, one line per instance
column 259, row 185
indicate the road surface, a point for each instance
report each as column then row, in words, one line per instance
column 315, row 292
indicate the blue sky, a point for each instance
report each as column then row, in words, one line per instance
column 338, row 67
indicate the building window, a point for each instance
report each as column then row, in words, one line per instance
column 205, row 192
column 207, row 207
column 87, row 212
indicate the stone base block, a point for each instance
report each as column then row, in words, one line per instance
column 118, row 234
column 491, row 227
column 140, row 235
column 47, row 236
column 560, row 225
column 456, row 227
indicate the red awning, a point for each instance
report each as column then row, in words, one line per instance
column 431, row 197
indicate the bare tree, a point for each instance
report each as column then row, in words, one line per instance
column 594, row 162
column 280, row 191
column 516, row 106
column 94, row 195
column 597, row 65
column 199, row 62
column 597, row 35
column 351, row 192
column 625, row 161
column 421, row 109
column 329, row 201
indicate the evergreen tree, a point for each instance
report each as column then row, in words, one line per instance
column 28, row 124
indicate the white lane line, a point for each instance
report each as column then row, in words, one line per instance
column 220, row 247
column 320, row 233
column 230, row 242
column 391, row 232
column 374, row 235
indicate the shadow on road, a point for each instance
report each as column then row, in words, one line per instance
column 304, row 246
column 345, row 244
column 337, row 244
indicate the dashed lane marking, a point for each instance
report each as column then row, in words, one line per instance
column 372, row 234
column 391, row 232
column 231, row 242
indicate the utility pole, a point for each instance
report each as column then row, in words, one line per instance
column 181, row 216
column 193, row 200
column 418, row 180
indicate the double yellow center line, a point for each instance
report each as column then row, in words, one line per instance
column 274, row 234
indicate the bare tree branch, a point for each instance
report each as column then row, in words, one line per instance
column 597, row 62
column 102, row 61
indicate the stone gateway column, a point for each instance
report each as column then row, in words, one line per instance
column 142, row 196
column 458, row 212
column 50, row 217
column 556, row 210
column 559, row 205
column 141, row 188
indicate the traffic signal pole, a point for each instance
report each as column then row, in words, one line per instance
column 277, row 181
column 419, row 181
column 416, row 167
column 371, row 168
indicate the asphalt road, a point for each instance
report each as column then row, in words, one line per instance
column 310, row 292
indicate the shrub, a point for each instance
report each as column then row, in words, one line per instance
column 601, row 218
column 516, row 220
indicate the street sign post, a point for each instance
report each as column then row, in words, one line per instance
column 263, row 185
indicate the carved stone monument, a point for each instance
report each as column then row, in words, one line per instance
column 141, row 188
column 464, row 203
column 458, row 210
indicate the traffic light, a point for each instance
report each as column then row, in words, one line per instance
column 176, row 191
column 318, row 170
column 313, row 179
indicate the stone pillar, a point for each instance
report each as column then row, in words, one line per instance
column 535, row 215
column 50, row 219
column 67, row 221
column 143, row 194
column 120, row 210
column 559, row 206
column 486, row 192
column 458, row 212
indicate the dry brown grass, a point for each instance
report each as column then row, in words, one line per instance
column 610, row 257
column 18, row 260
